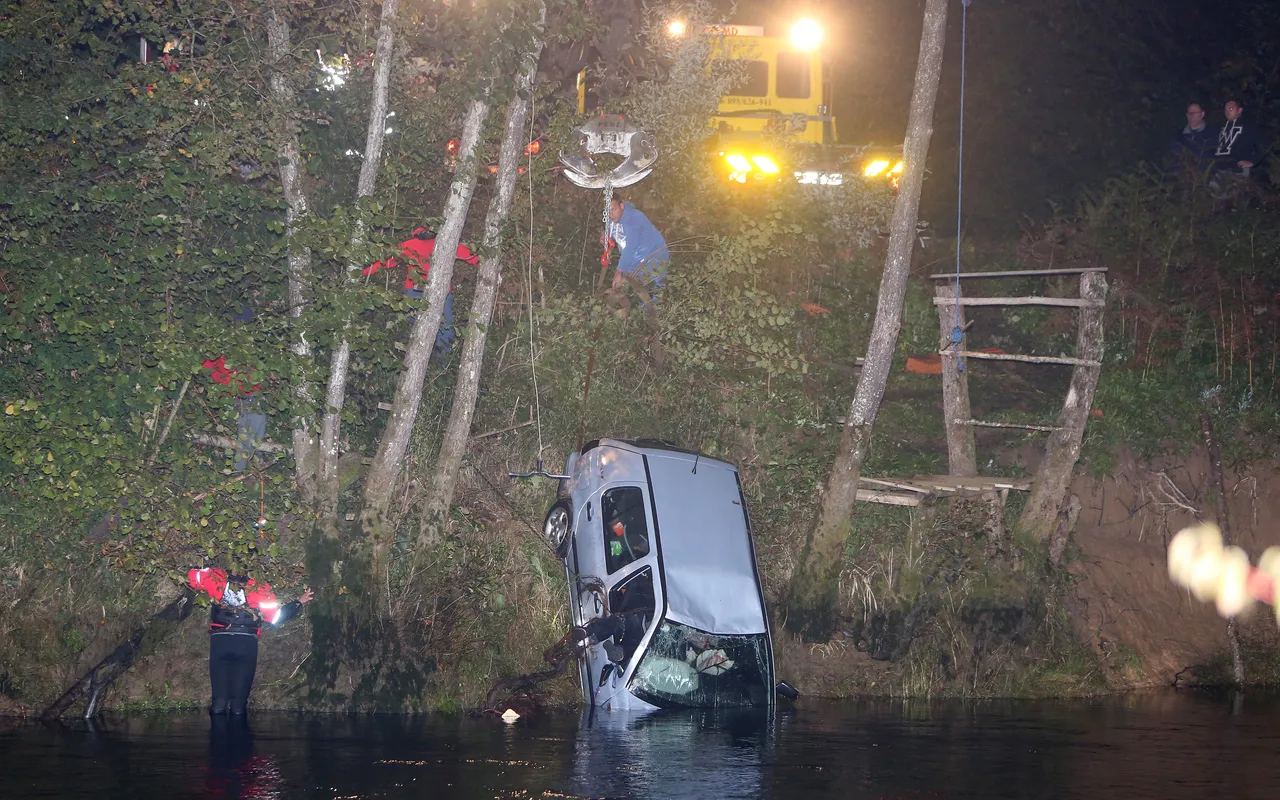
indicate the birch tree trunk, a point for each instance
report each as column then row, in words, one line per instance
column 1062, row 450
column 458, row 431
column 380, row 480
column 340, row 359
column 285, row 100
column 811, row 597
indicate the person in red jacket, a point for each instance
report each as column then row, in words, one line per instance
column 251, row 421
column 240, row 606
column 416, row 252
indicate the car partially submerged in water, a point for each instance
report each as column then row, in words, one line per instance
column 664, row 592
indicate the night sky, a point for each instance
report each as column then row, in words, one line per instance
column 1060, row 94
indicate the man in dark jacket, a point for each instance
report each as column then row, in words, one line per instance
column 240, row 606
column 1195, row 146
column 1239, row 143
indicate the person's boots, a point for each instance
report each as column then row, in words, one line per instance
column 218, row 706
column 614, row 651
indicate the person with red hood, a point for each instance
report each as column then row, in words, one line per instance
column 240, row 607
column 251, row 420
column 416, row 252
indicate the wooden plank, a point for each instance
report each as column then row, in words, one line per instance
column 888, row 498
column 1069, row 302
column 385, row 406
column 1017, row 273
column 1075, row 362
column 976, row 484
column 981, row 424
column 895, row 484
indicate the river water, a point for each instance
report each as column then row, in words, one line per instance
column 1165, row 745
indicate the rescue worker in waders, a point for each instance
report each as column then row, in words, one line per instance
column 416, row 252
column 240, row 607
column 643, row 253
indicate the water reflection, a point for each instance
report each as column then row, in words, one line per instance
column 1168, row 745
column 234, row 769
column 687, row 754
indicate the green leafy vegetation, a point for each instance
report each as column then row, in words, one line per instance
column 140, row 212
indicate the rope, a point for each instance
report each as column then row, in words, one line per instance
column 533, row 369
column 957, row 332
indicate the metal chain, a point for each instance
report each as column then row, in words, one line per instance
column 608, row 201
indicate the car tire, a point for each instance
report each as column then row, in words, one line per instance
column 557, row 527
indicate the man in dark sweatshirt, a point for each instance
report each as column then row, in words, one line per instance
column 1239, row 143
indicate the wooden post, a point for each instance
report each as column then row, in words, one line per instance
column 962, row 450
column 962, row 458
column 1049, row 489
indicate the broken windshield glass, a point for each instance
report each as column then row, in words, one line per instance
column 684, row 666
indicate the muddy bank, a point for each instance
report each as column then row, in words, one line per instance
column 1124, row 606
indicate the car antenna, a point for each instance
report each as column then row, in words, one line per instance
column 695, row 463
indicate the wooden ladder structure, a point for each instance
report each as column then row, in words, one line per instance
column 1062, row 450
column 1049, row 485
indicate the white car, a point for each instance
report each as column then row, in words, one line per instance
column 663, row 584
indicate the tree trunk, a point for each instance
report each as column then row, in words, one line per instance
column 1224, row 523
column 95, row 682
column 810, row 605
column 285, row 100
column 962, row 453
column 1062, row 451
column 380, row 480
column 458, row 430
column 340, row 360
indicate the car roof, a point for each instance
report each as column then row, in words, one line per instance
column 708, row 561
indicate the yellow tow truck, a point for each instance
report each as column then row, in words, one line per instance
column 785, row 95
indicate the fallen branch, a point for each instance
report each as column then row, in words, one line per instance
column 169, row 422
column 227, row 443
column 94, row 683
column 487, row 434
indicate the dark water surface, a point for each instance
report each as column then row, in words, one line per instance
column 1167, row 745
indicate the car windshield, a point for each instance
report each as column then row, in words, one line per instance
column 684, row 666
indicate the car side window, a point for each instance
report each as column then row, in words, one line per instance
column 626, row 537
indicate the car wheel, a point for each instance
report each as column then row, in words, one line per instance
column 556, row 528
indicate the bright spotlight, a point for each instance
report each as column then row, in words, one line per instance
column 875, row 168
column 738, row 162
column 765, row 164
column 806, row 35
column 675, row 28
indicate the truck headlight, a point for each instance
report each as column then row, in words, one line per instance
column 875, row 168
column 765, row 164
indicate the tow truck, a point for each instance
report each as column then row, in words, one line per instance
column 786, row 93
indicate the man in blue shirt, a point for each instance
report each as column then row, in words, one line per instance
column 643, row 253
